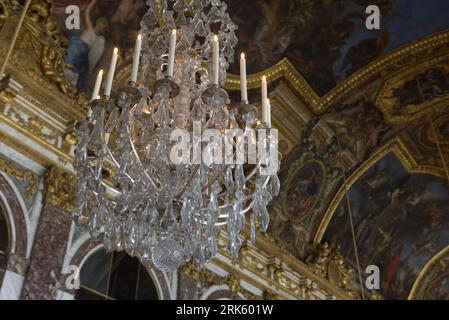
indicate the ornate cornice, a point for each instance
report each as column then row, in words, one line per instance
column 387, row 102
column 399, row 58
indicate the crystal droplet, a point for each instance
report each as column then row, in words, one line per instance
column 239, row 177
column 167, row 255
column 119, row 237
column 228, row 180
column 199, row 29
column 275, row 185
column 112, row 121
column 252, row 225
column 185, row 216
column 168, row 221
column 213, row 207
column 213, row 244
column 233, row 248
column 98, row 168
column 264, row 218
column 131, row 235
column 108, row 236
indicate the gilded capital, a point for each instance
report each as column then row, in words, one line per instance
column 59, row 188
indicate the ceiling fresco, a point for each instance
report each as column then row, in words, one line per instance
column 400, row 221
column 363, row 128
column 327, row 40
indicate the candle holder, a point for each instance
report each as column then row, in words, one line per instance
column 215, row 96
column 263, row 125
column 167, row 85
column 128, row 95
column 101, row 103
column 246, row 112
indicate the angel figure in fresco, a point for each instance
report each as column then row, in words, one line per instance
column 85, row 50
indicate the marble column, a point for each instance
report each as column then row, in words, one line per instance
column 47, row 256
column 12, row 286
column 52, row 235
column 187, row 283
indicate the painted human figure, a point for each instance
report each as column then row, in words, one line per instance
column 85, row 50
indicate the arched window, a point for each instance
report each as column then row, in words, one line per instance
column 4, row 243
column 115, row 276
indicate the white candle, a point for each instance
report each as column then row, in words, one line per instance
column 97, row 86
column 264, row 99
column 268, row 115
column 243, row 84
column 136, row 59
column 171, row 54
column 110, row 79
column 215, row 61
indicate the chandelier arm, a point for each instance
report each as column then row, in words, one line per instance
column 221, row 174
column 195, row 170
column 247, row 198
column 138, row 158
column 115, row 162
column 213, row 180
column 104, row 184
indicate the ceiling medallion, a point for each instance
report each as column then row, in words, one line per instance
column 162, row 168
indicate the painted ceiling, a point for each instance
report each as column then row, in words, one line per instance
column 400, row 221
column 325, row 40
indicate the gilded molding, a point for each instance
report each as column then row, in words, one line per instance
column 36, row 138
column 396, row 58
column 396, row 146
column 441, row 259
column 59, row 188
column 327, row 261
column 275, row 264
column 18, row 173
column 207, row 276
column 34, row 125
column 37, row 62
column 386, row 102
column 53, row 51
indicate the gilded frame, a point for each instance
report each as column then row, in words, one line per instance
column 423, row 273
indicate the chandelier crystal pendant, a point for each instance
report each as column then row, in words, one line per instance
column 129, row 192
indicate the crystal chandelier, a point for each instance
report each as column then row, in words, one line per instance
column 129, row 193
